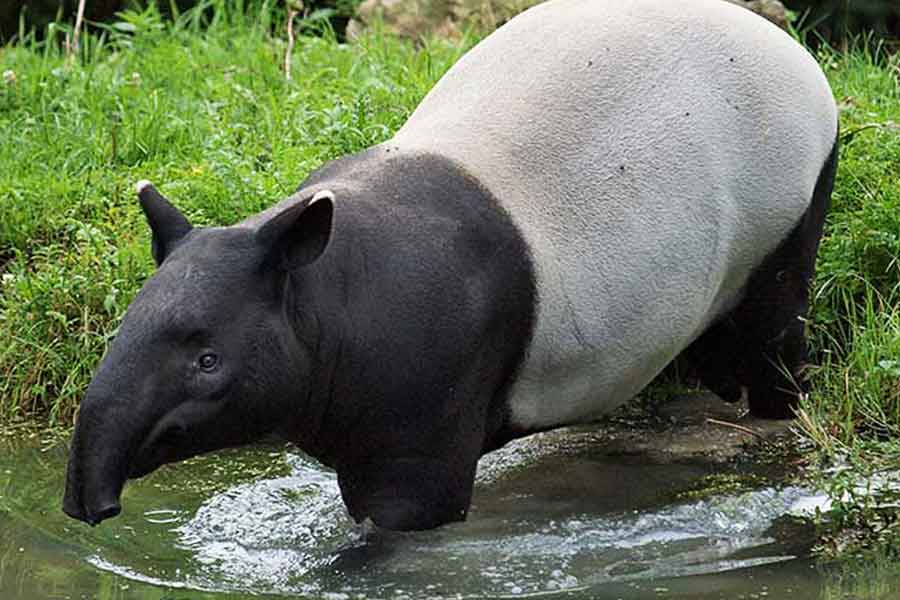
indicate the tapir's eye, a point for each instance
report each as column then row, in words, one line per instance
column 208, row 362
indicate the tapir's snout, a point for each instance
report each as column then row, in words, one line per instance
column 99, row 458
column 89, row 496
column 73, row 507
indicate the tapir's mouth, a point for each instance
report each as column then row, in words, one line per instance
column 160, row 447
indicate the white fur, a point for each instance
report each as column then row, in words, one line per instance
column 652, row 152
column 320, row 195
column 142, row 185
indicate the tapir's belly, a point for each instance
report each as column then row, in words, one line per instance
column 652, row 154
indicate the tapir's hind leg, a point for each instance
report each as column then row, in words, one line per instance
column 759, row 349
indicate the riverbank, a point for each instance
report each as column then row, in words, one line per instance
column 202, row 107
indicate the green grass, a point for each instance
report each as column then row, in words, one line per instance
column 201, row 107
column 862, row 241
column 208, row 116
column 853, row 413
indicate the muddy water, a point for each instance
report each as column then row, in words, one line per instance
column 558, row 516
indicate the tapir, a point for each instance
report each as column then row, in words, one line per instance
column 597, row 188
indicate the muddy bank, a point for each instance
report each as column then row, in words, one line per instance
column 695, row 426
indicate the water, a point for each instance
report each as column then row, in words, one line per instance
column 552, row 517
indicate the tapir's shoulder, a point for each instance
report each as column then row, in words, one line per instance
column 404, row 193
column 422, row 250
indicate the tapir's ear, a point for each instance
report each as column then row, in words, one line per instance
column 166, row 222
column 299, row 233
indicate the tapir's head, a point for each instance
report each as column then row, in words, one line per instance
column 203, row 352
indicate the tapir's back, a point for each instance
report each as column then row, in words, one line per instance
column 652, row 153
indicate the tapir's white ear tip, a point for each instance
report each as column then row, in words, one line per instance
column 321, row 195
column 142, row 185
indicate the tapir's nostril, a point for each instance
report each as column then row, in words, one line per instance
column 107, row 512
column 74, row 509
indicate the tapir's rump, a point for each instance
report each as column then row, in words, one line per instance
column 653, row 153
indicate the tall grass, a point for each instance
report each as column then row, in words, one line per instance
column 855, row 329
column 198, row 105
column 862, row 239
column 852, row 415
column 857, row 380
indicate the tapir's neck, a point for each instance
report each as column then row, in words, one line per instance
column 314, row 336
column 418, row 313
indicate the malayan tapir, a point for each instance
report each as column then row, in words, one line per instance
column 596, row 188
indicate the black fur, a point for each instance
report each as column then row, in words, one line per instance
column 761, row 344
column 378, row 328
column 422, row 308
column 168, row 225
